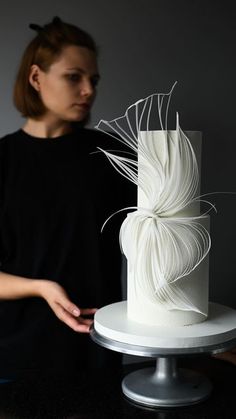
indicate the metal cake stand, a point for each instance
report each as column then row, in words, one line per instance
column 165, row 385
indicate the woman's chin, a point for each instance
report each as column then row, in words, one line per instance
column 82, row 117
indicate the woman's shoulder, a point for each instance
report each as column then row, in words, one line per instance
column 3, row 141
column 7, row 137
column 6, row 142
column 96, row 136
column 105, row 140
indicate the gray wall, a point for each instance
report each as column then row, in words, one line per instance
column 145, row 45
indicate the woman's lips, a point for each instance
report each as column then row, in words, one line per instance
column 84, row 106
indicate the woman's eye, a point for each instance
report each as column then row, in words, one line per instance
column 73, row 77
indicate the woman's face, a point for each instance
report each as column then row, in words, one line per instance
column 68, row 88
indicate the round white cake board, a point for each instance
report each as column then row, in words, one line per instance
column 112, row 322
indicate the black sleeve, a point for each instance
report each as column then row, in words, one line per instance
column 125, row 191
column 119, row 193
column 1, row 194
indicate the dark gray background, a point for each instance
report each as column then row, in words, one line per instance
column 144, row 47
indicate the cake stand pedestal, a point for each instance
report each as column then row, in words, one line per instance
column 166, row 385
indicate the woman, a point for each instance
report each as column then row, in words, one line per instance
column 56, row 267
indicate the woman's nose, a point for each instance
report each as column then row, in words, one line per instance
column 87, row 88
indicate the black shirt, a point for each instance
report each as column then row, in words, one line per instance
column 55, row 194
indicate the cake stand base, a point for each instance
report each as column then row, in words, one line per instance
column 166, row 385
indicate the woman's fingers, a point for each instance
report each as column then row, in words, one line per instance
column 73, row 309
column 78, row 324
column 81, row 320
column 87, row 311
column 71, row 315
column 68, row 305
column 65, row 309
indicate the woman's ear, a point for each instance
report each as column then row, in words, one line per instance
column 34, row 77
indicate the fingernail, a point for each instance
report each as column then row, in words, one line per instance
column 75, row 312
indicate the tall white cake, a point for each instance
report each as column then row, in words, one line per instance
column 166, row 239
column 142, row 306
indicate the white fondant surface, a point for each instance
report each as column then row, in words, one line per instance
column 112, row 322
column 159, row 255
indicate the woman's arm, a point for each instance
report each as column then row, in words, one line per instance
column 14, row 287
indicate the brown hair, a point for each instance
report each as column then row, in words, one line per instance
column 43, row 50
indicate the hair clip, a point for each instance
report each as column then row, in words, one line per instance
column 35, row 27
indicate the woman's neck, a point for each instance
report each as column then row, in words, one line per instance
column 46, row 128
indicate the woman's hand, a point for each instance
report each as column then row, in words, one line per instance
column 65, row 310
column 229, row 356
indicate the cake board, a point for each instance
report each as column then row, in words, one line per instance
column 166, row 385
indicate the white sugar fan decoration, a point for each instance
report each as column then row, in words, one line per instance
column 160, row 245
